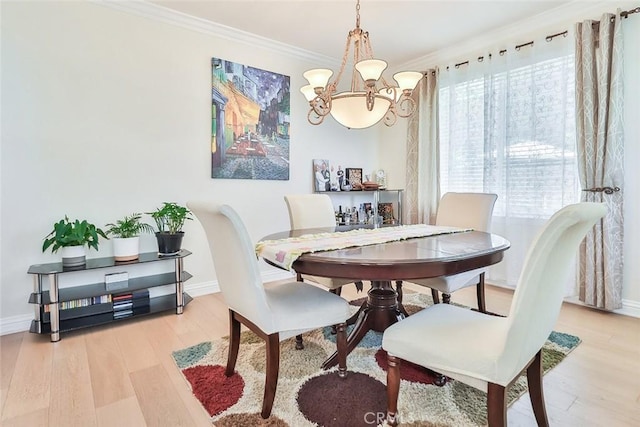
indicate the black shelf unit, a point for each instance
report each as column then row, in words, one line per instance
column 85, row 317
column 56, row 320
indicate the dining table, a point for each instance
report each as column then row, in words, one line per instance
column 430, row 251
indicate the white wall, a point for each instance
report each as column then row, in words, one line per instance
column 105, row 113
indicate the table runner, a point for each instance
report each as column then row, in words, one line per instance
column 284, row 252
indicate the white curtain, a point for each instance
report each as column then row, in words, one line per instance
column 422, row 189
column 507, row 126
column 599, row 98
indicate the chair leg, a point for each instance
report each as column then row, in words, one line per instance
column 534, row 380
column 496, row 405
column 234, row 344
column 482, row 305
column 393, row 389
column 271, row 381
column 341, row 342
column 435, row 296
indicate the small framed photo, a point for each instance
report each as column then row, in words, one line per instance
column 354, row 178
column 385, row 211
column 322, row 175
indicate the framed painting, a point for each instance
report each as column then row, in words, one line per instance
column 354, row 178
column 249, row 122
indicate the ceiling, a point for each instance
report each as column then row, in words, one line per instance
column 400, row 31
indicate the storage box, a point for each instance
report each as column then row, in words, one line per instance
column 116, row 281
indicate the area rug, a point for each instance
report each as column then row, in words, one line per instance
column 309, row 396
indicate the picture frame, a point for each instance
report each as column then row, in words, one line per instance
column 354, row 178
column 250, row 121
column 321, row 175
column 385, row 211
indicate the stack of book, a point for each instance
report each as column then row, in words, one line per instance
column 130, row 303
column 82, row 302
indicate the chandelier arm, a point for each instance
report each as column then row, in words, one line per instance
column 314, row 118
column 391, row 117
column 406, row 106
column 371, row 97
column 320, row 106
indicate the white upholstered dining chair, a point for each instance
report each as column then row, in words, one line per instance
column 315, row 211
column 464, row 210
column 490, row 352
column 274, row 313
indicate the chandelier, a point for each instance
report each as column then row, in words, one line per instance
column 370, row 98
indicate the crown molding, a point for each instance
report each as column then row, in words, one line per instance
column 179, row 19
column 560, row 18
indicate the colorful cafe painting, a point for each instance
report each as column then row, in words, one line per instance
column 249, row 122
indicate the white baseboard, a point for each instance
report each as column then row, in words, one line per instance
column 21, row 323
column 13, row 324
column 629, row 308
column 204, row 288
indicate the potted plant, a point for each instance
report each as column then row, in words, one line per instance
column 170, row 218
column 126, row 236
column 71, row 237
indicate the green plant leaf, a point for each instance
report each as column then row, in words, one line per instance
column 72, row 233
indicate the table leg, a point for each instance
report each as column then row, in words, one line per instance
column 377, row 313
column 399, row 291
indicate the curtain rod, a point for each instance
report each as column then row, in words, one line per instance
column 548, row 38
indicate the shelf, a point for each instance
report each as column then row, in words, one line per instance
column 96, row 263
column 97, row 289
column 156, row 305
column 90, row 310
column 391, row 190
column 378, row 198
column 55, row 320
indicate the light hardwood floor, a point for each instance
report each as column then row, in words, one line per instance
column 123, row 374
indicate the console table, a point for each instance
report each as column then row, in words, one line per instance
column 50, row 319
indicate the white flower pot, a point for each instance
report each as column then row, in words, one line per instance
column 126, row 249
column 73, row 256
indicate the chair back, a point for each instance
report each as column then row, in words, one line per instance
column 310, row 211
column 539, row 293
column 466, row 210
column 235, row 261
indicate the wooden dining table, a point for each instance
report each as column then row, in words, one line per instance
column 396, row 261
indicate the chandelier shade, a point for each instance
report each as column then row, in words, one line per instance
column 371, row 69
column 370, row 98
column 318, row 77
column 347, row 109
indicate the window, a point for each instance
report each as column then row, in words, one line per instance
column 511, row 131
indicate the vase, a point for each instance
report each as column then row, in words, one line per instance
column 73, row 256
column 126, row 249
column 169, row 243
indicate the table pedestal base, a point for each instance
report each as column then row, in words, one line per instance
column 381, row 310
